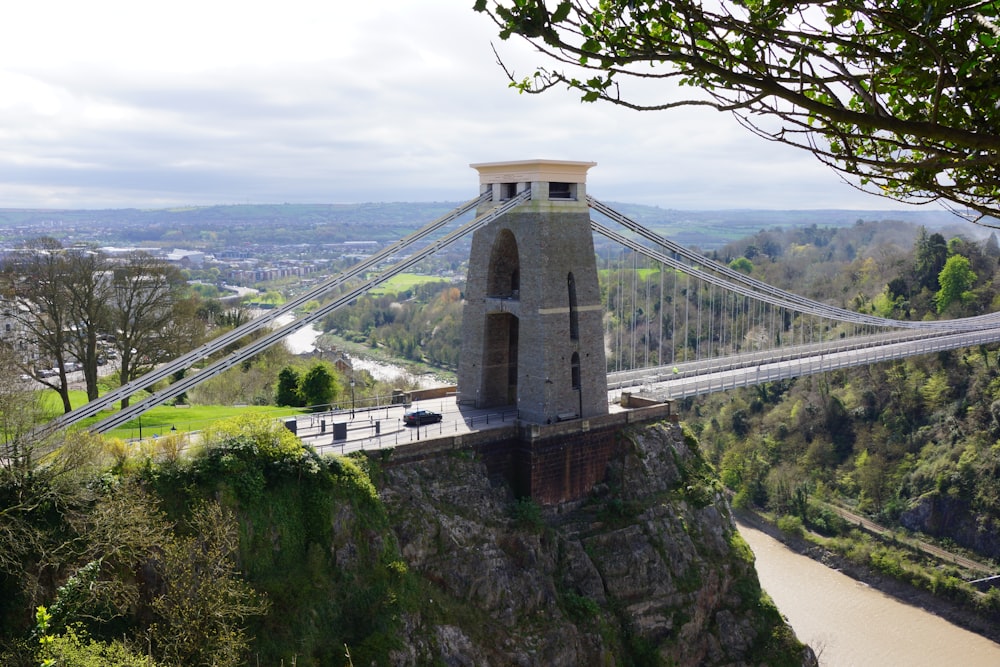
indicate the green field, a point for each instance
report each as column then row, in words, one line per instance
column 162, row 419
column 643, row 274
column 403, row 282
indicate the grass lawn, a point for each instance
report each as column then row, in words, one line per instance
column 404, row 281
column 161, row 419
column 644, row 274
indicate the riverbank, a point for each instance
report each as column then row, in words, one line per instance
column 982, row 624
column 425, row 376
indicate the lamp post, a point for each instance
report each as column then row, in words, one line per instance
column 352, row 393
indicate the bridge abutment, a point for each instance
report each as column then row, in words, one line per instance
column 549, row 463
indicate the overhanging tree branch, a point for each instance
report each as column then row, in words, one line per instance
column 901, row 99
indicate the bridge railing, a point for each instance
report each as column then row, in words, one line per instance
column 624, row 379
column 684, row 386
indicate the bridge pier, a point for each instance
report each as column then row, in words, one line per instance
column 531, row 327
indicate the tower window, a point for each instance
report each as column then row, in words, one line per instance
column 508, row 191
column 562, row 191
column 574, row 317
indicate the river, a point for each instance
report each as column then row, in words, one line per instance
column 303, row 341
column 850, row 624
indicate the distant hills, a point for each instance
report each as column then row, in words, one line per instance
column 283, row 224
column 710, row 229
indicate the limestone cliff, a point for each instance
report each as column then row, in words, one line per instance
column 942, row 515
column 647, row 570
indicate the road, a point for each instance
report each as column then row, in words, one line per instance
column 930, row 549
column 696, row 378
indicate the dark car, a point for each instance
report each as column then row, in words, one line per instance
column 418, row 417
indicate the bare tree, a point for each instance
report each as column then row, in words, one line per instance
column 145, row 292
column 37, row 283
column 90, row 296
column 66, row 299
column 899, row 98
column 20, row 411
column 60, row 298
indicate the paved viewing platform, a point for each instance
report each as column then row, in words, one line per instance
column 382, row 427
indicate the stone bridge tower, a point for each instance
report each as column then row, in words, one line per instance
column 531, row 331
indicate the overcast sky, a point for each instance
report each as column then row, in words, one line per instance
column 109, row 103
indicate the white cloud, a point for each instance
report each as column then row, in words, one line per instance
column 115, row 103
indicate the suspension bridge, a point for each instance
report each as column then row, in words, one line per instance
column 558, row 338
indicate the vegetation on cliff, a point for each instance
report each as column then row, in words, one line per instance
column 253, row 549
column 911, row 443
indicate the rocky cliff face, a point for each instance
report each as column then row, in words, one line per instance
column 648, row 570
column 942, row 516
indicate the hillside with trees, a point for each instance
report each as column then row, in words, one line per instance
column 422, row 323
column 912, row 443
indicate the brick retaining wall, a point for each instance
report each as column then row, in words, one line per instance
column 550, row 463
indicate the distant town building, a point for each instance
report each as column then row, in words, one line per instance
column 186, row 258
column 113, row 251
column 12, row 331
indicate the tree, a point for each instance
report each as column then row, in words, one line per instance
column 991, row 247
column 145, row 293
column 20, row 408
column 317, row 386
column 932, row 253
column 742, row 264
column 899, row 97
column 205, row 602
column 873, row 476
column 37, row 283
column 287, row 392
column 65, row 298
column 88, row 311
column 956, row 278
column 43, row 494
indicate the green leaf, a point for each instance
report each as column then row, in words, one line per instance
column 561, row 12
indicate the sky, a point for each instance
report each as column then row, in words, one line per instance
column 118, row 103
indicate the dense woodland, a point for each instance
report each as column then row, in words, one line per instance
column 913, row 442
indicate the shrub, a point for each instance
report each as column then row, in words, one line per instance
column 791, row 525
column 256, row 432
column 527, row 514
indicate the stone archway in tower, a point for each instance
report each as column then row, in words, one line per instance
column 503, row 281
column 500, row 362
